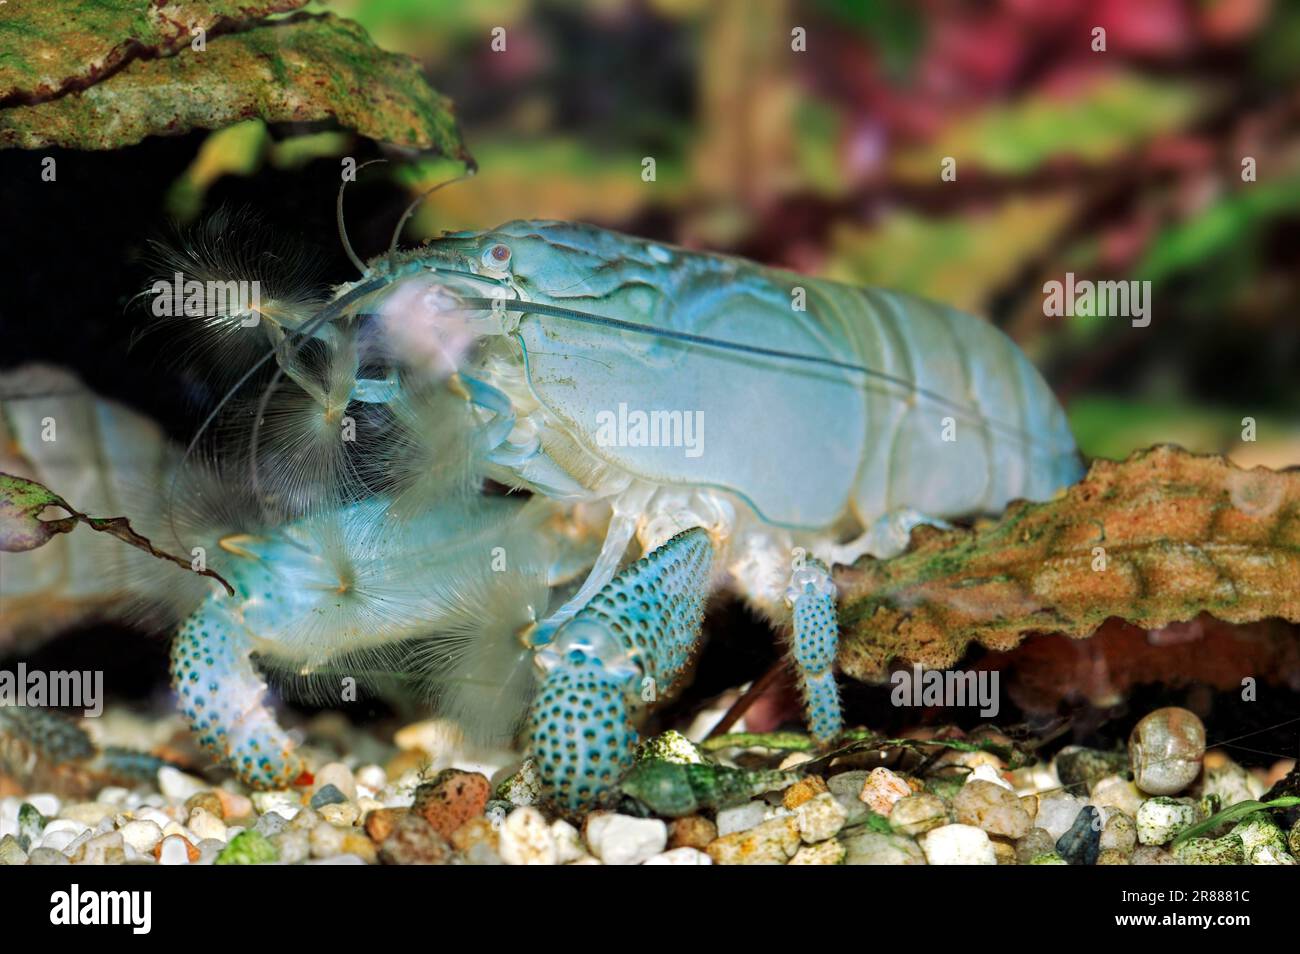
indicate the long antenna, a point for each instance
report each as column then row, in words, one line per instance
column 415, row 204
column 338, row 213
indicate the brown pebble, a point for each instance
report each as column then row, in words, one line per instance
column 451, row 799
column 1112, row 856
column 381, row 822
column 807, row 788
column 207, row 800
column 1004, row 851
column 405, row 761
column 476, row 831
column 413, row 841
column 692, row 831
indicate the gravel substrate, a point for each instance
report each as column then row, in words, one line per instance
column 427, row 800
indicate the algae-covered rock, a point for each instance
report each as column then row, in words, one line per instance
column 248, row 848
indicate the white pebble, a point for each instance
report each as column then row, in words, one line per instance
column 142, row 835
column 112, row 795
column 988, row 773
column 45, row 803
column 283, row 802
column 741, row 817
column 326, row 841
column 178, row 786
column 680, row 856
column 568, row 842
column 175, row 851
column 88, row 813
column 1057, row 812
column 624, row 840
column 372, row 777
column 957, row 845
column 204, row 824
column 175, row 828
column 58, row 840
column 157, row 816
column 526, row 839
column 67, row 824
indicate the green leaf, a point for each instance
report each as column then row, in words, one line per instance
column 303, row 69
column 1234, row 813
column 1093, row 125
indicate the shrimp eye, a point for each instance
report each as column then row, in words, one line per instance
column 497, row 256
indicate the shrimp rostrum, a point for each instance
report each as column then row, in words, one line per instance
column 738, row 427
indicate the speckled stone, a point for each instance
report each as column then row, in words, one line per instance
column 1227, row 850
column 829, row 852
column 1263, row 840
column 1151, row 855
column 820, row 818
column 1109, row 856
column 773, row 842
column 801, row 791
column 1231, row 784
column 1161, row 819
column 882, row 789
column 452, row 798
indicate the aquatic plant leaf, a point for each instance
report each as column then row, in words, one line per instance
column 21, row 527
column 47, row 49
column 962, row 260
column 1155, row 539
column 303, row 69
column 21, row 504
column 857, row 742
column 1232, row 813
column 1096, row 123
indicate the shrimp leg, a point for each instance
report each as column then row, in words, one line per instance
column 639, row 633
column 811, row 596
column 223, row 697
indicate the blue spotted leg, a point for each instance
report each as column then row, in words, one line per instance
column 223, row 696
column 816, row 640
column 625, row 649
